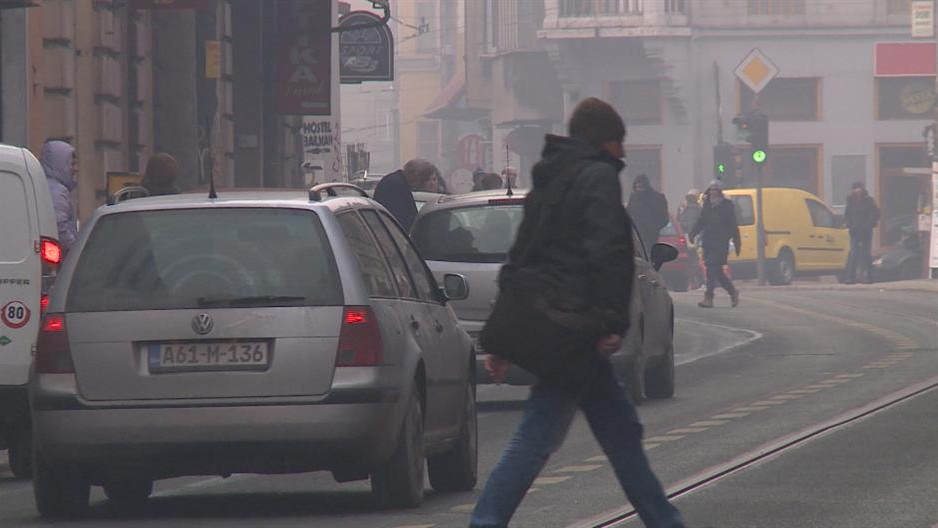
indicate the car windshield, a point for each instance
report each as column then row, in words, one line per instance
column 481, row 233
column 195, row 258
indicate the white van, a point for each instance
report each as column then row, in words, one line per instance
column 29, row 257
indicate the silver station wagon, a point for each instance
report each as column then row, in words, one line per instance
column 470, row 235
column 261, row 332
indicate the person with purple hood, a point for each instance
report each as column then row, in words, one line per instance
column 60, row 164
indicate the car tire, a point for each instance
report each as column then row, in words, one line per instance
column 659, row 378
column 458, row 468
column 398, row 483
column 783, row 269
column 21, row 453
column 61, row 490
column 129, row 494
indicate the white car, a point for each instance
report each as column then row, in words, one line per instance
column 29, row 256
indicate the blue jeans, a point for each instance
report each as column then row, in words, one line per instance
column 548, row 414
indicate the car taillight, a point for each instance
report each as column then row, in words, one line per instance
column 52, row 352
column 43, row 303
column 682, row 241
column 360, row 339
column 50, row 251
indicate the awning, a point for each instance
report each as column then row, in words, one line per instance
column 451, row 102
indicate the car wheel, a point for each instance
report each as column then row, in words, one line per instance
column 398, row 483
column 21, row 453
column 659, row 378
column 61, row 490
column 130, row 494
column 458, row 469
column 783, row 270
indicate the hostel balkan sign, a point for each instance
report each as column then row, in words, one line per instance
column 304, row 57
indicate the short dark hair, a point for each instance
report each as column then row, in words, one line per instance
column 421, row 170
column 596, row 122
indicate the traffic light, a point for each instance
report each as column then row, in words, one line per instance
column 754, row 129
column 724, row 161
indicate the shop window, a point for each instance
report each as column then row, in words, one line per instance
column 905, row 97
column 639, row 102
column 792, row 99
column 775, row 7
column 787, row 166
column 901, row 196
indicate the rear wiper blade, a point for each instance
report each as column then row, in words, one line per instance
column 248, row 301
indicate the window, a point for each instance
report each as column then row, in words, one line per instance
column 426, row 285
column 374, row 268
column 775, row 7
column 898, row 7
column 745, row 212
column 157, row 260
column 793, row 99
column 469, row 234
column 639, row 102
column 787, row 166
column 905, row 97
column 398, row 268
column 581, row 8
column 820, row 214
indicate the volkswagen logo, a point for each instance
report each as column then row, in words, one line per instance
column 202, row 323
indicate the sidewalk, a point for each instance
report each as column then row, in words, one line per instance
column 829, row 283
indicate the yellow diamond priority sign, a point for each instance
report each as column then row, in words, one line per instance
column 756, row 71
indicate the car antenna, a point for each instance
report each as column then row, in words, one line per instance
column 507, row 174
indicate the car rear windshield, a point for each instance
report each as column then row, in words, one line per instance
column 201, row 258
column 668, row 230
column 481, row 233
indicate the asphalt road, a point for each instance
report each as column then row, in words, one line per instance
column 786, row 360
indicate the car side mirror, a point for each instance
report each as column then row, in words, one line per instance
column 838, row 221
column 455, row 287
column 661, row 253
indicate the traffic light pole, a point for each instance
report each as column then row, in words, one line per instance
column 760, row 230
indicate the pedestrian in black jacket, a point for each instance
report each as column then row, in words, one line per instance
column 396, row 190
column 573, row 256
column 861, row 217
column 649, row 210
column 717, row 226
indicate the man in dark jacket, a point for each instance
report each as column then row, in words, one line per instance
column 649, row 210
column 160, row 176
column 396, row 190
column 575, row 245
column 861, row 217
column 717, row 225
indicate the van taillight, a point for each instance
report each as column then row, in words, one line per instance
column 52, row 352
column 360, row 339
column 50, row 251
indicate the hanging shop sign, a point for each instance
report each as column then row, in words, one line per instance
column 304, row 84
column 365, row 54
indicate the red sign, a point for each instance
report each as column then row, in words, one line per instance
column 304, row 57
column 904, row 59
column 172, row 4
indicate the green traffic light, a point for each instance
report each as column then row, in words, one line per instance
column 721, row 168
column 758, row 156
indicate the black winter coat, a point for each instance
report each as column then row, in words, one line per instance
column 575, row 241
column 649, row 211
column 396, row 196
column 717, row 226
column 861, row 215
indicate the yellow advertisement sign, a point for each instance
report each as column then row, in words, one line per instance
column 118, row 180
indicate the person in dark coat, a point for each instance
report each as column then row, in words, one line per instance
column 160, row 176
column 861, row 217
column 649, row 211
column 717, row 225
column 396, row 190
column 689, row 211
column 574, row 246
column 478, row 176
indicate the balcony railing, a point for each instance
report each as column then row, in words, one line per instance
column 591, row 8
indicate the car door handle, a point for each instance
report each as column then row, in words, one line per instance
column 438, row 326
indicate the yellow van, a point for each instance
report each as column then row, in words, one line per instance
column 803, row 235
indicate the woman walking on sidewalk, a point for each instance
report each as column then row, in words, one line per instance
column 717, row 226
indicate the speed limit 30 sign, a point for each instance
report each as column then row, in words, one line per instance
column 15, row 314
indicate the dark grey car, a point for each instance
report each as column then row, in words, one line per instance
column 470, row 235
column 252, row 333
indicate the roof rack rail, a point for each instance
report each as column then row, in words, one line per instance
column 127, row 193
column 316, row 196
